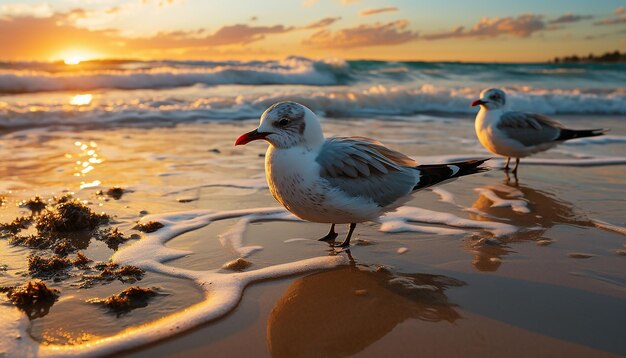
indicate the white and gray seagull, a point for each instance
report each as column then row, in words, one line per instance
column 339, row 180
column 514, row 134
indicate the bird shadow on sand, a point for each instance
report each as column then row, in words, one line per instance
column 343, row 311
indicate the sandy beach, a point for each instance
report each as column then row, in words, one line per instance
column 480, row 266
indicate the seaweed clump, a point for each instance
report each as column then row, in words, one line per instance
column 113, row 237
column 81, row 260
column 35, row 204
column 127, row 300
column 16, row 225
column 34, row 298
column 150, row 226
column 71, row 215
column 110, row 272
column 114, row 192
column 47, row 267
column 31, row 241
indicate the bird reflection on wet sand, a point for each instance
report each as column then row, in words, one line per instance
column 341, row 312
column 545, row 210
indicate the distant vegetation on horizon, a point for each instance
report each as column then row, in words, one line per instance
column 609, row 57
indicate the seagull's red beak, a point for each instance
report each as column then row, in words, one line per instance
column 477, row 102
column 250, row 136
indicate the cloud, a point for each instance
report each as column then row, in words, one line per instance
column 368, row 35
column 522, row 26
column 368, row 12
column 30, row 37
column 349, row 2
column 614, row 21
column 327, row 21
column 24, row 10
column 620, row 18
column 569, row 18
column 239, row 34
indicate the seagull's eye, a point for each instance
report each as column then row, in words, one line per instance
column 283, row 122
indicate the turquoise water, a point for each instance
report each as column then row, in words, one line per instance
column 154, row 92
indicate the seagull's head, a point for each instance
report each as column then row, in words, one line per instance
column 286, row 124
column 492, row 98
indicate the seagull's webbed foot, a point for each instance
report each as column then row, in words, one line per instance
column 506, row 165
column 346, row 241
column 331, row 236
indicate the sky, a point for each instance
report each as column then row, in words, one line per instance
column 442, row 30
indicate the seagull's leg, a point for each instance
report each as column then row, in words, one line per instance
column 331, row 236
column 346, row 241
column 516, row 164
column 506, row 166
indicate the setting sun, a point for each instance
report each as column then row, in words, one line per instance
column 73, row 60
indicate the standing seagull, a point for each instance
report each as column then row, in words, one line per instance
column 340, row 180
column 515, row 134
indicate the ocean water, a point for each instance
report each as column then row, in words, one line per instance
column 40, row 94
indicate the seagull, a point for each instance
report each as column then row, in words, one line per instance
column 514, row 134
column 339, row 180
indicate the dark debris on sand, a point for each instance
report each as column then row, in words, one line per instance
column 62, row 228
column 81, row 260
column 150, row 226
column 63, row 198
column 113, row 237
column 15, row 226
column 239, row 264
column 127, row 300
column 35, row 204
column 57, row 223
column 71, row 215
column 63, row 248
column 48, row 267
column 115, row 192
column 34, row 298
column 109, row 272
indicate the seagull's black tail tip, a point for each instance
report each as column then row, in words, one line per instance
column 432, row 174
column 468, row 167
column 567, row 134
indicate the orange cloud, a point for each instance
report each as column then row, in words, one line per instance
column 368, row 12
column 378, row 34
column 521, row 26
column 29, row 37
column 327, row 21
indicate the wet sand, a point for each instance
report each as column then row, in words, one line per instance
column 554, row 285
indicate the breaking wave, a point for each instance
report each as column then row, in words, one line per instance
column 157, row 92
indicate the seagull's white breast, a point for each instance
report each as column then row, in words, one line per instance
column 293, row 177
column 495, row 140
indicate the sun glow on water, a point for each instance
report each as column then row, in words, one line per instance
column 81, row 99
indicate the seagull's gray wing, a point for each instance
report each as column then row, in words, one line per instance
column 529, row 128
column 366, row 168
